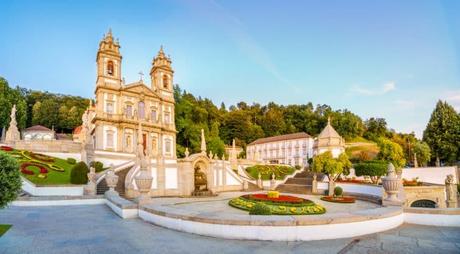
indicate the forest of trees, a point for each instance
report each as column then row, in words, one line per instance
column 245, row 122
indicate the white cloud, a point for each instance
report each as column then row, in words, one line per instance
column 453, row 98
column 385, row 88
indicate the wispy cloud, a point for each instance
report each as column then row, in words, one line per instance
column 453, row 97
column 385, row 88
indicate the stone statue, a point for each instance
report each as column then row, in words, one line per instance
column 12, row 134
column 259, row 181
column 90, row 188
column 273, row 182
column 144, row 179
column 451, row 192
column 187, row 153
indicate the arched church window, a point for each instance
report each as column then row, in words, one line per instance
column 165, row 81
column 141, row 110
column 110, row 68
column 167, row 146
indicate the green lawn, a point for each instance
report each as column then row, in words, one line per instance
column 266, row 171
column 4, row 228
column 58, row 170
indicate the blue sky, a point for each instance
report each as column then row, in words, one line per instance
column 391, row 59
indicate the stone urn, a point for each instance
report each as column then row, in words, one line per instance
column 111, row 179
column 144, row 183
column 391, row 184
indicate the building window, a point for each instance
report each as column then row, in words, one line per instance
column 109, row 107
column 129, row 111
column 167, row 146
column 141, row 110
column 167, row 118
column 128, row 142
column 165, row 81
column 110, row 70
column 109, row 138
column 153, row 114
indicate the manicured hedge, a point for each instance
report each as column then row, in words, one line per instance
column 10, row 180
column 98, row 166
column 260, row 209
column 79, row 172
column 374, row 169
column 71, row 161
column 266, row 171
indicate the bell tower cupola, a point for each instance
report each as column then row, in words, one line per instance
column 162, row 74
column 108, row 61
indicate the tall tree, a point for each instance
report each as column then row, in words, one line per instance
column 442, row 133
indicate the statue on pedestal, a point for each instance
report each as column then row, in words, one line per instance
column 451, row 192
column 12, row 134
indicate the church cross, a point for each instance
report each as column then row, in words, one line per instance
column 141, row 74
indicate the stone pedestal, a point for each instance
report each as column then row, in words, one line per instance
column 111, row 179
column 144, row 183
column 330, row 191
column 272, row 184
column 12, row 134
column 90, row 188
column 392, row 185
column 451, row 192
column 314, row 185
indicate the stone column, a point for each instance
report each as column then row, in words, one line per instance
column 273, row 182
column 259, row 182
column 451, row 192
column 245, row 185
column 144, row 182
column 391, row 184
column 314, row 185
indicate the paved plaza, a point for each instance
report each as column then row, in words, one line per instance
column 96, row 229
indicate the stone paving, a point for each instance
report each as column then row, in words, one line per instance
column 96, row 229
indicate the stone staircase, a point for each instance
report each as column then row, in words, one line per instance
column 300, row 183
column 102, row 187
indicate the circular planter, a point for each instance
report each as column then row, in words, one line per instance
column 346, row 200
column 283, row 205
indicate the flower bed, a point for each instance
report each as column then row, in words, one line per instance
column 283, row 205
column 41, row 157
column 341, row 199
column 6, row 148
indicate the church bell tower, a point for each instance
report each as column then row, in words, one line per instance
column 161, row 74
column 108, row 61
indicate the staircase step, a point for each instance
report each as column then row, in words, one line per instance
column 294, row 188
column 299, row 181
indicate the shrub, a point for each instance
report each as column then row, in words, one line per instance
column 79, row 172
column 338, row 191
column 297, row 167
column 374, row 169
column 266, row 171
column 10, row 180
column 71, row 161
column 98, row 166
column 260, row 209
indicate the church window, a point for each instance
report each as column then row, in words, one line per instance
column 110, row 70
column 129, row 110
column 109, row 138
column 109, row 107
column 128, row 142
column 165, row 81
column 168, row 146
column 153, row 114
column 167, row 118
column 154, row 145
column 141, row 110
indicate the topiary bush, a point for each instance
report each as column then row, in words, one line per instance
column 375, row 169
column 98, row 166
column 10, row 180
column 260, row 209
column 71, row 161
column 338, row 191
column 79, row 172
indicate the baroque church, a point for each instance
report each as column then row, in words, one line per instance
column 120, row 107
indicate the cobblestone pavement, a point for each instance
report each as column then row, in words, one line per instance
column 96, row 229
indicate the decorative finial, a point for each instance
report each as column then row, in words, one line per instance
column 110, row 32
column 203, row 142
column 186, row 152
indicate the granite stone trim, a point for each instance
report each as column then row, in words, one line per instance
column 272, row 220
column 444, row 211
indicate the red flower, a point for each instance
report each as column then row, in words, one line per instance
column 27, row 172
column 6, row 148
column 43, row 170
